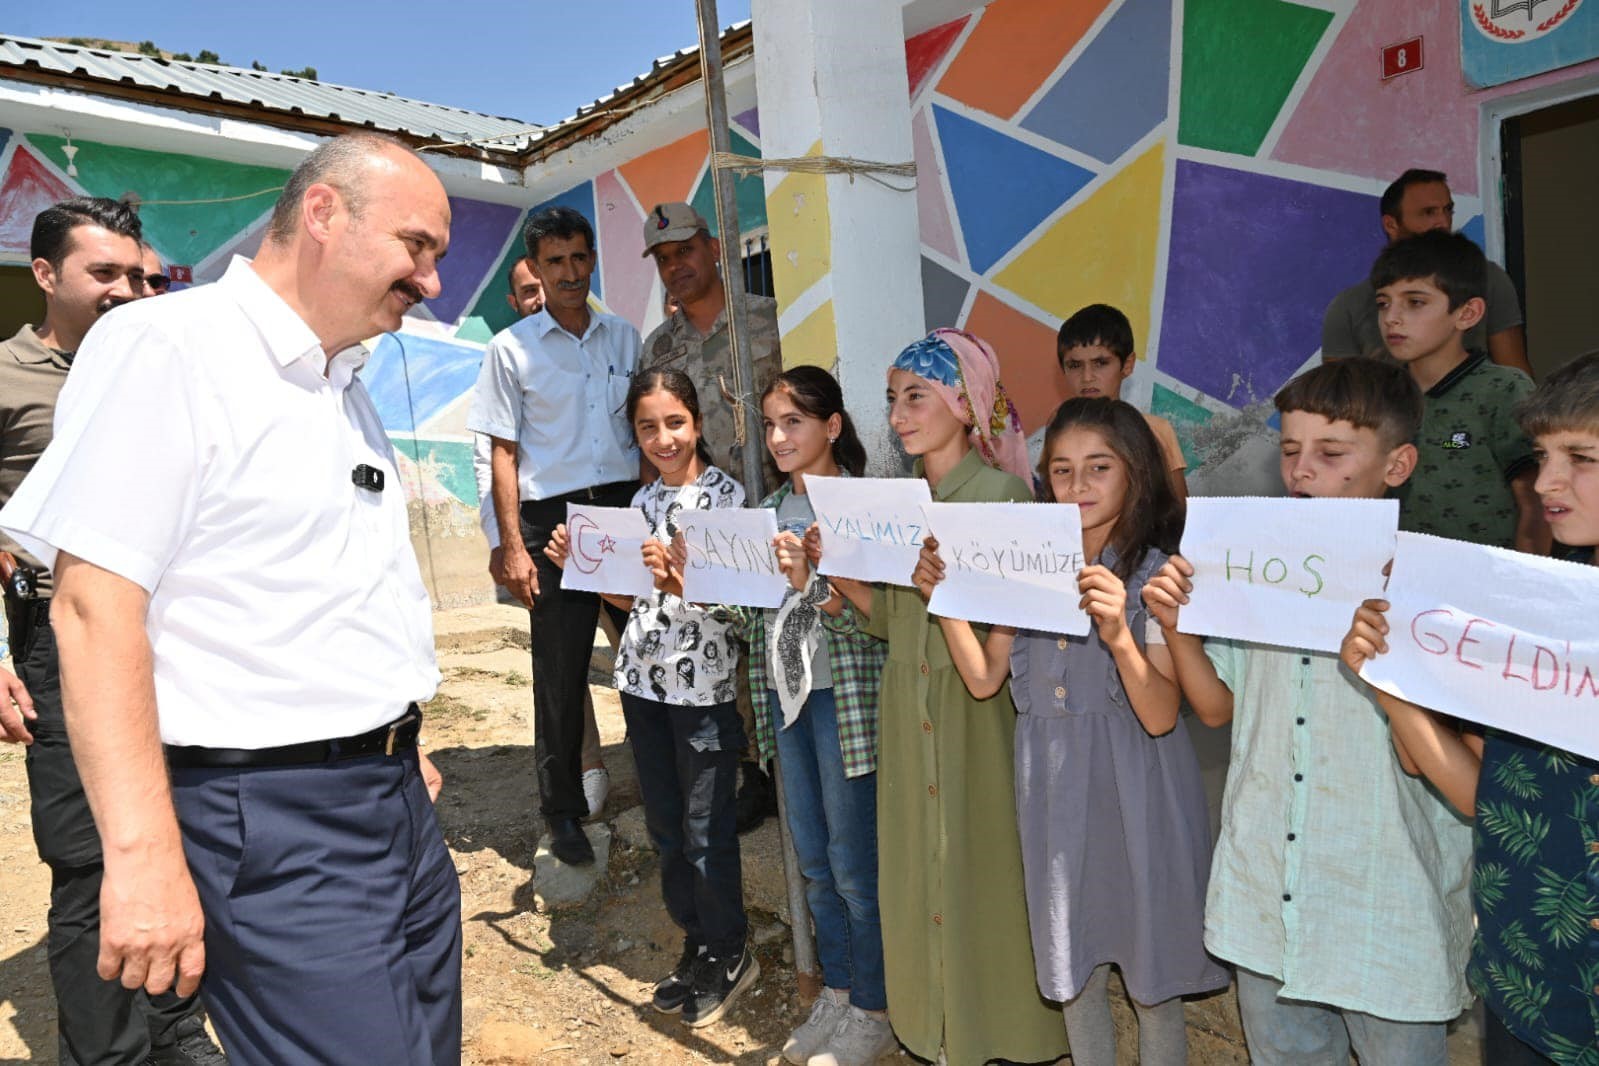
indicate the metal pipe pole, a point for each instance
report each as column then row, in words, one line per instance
column 807, row 974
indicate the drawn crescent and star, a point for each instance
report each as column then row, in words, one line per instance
column 586, row 563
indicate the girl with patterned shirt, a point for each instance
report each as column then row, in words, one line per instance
column 814, row 675
column 675, row 670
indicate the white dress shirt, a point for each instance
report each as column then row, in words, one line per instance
column 201, row 453
column 483, row 474
column 561, row 398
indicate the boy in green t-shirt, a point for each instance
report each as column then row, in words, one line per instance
column 1475, row 471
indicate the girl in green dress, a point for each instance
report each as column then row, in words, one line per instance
column 957, row 955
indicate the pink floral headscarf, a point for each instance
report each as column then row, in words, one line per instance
column 964, row 371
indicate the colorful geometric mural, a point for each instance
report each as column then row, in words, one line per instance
column 182, row 232
column 1231, row 96
column 27, row 188
column 1243, row 304
column 1216, row 182
column 478, row 231
column 1003, row 187
column 1209, row 166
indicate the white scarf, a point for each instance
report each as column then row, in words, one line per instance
column 791, row 642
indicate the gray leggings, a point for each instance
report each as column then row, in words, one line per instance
column 1162, row 1036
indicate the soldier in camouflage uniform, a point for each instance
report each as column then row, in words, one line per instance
column 694, row 339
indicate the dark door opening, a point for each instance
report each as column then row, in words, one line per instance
column 20, row 300
column 1551, row 169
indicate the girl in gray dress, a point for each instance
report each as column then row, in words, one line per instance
column 1111, row 809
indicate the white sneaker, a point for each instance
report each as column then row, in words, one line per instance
column 596, row 786
column 860, row 1040
column 812, row 1033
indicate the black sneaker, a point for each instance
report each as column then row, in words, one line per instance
column 757, row 797
column 717, row 986
column 673, row 990
column 193, row 1046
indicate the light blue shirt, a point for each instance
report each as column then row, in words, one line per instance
column 561, row 398
column 1337, row 873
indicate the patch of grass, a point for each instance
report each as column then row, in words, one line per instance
column 516, row 680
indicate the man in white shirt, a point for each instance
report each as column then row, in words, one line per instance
column 526, row 297
column 551, row 394
column 234, row 579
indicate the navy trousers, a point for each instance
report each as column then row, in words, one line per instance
column 332, row 913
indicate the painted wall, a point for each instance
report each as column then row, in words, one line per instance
column 1212, row 167
column 419, row 377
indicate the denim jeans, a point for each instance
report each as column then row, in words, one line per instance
column 687, row 760
column 1294, row 1033
column 833, row 820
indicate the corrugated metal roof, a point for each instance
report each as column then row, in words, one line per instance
column 273, row 92
column 656, row 68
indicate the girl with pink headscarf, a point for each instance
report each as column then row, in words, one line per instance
column 957, row 955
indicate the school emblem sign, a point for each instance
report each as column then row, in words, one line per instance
column 1505, row 40
column 1516, row 21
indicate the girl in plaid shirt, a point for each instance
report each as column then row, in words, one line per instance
column 814, row 676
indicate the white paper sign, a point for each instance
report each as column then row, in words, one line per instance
column 1494, row 636
column 605, row 551
column 872, row 527
column 730, row 557
column 1284, row 571
column 1013, row 564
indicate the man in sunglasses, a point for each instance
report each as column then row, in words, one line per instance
column 156, row 280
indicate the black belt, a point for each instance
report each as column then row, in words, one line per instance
column 399, row 735
column 586, row 495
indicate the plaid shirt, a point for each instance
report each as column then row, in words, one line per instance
column 856, row 661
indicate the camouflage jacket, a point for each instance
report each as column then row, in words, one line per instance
column 676, row 345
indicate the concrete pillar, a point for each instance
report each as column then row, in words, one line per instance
column 846, row 256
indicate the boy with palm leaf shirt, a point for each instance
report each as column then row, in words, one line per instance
column 1535, row 889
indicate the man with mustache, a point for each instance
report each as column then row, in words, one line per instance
column 526, row 297
column 86, row 259
column 694, row 339
column 244, row 634
column 551, row 394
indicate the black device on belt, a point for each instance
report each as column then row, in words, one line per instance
column 399, row 735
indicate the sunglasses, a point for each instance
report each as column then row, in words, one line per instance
column 158, row 282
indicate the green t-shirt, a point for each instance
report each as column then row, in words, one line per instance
column 1470, row 447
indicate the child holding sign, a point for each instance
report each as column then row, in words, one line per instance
column 674, row 670
column 814, row 676
column 957, row 957
column 1339, row 884
column 1115, row 838
column 1535, row 888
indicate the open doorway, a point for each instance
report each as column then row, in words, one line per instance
column 21, row 301
column 1550, row 159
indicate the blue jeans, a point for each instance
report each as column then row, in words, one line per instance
column 687, row 761
column 1294, row 1033
column 833, row 820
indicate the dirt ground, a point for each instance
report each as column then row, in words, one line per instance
column 568, row 986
